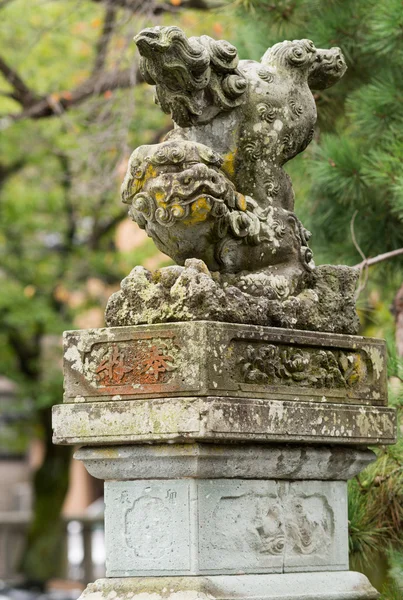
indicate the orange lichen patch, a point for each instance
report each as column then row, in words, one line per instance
column 198, row 211
column 229, row 164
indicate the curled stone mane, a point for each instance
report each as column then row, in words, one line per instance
column 298, row 53
column 182, row 59
column 181, row 68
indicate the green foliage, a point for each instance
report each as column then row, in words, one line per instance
column 355, row 163
column 376, row 507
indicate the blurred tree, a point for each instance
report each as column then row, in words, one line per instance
column 349, row 191
column 71, row 111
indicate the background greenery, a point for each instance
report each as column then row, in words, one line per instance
column 72, row 108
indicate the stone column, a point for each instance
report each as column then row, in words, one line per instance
column 225, row 451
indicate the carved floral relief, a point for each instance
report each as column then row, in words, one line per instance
column 313, row 367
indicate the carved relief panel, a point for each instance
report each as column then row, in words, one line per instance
column 147, row 527
column 224, row 526
column 273, row 525
column 217, row 359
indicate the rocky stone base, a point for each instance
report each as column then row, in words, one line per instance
column 321, row 300
column 344, row 585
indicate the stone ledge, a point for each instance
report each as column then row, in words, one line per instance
column 342, row 585
column 211, row 461
column 221, row 419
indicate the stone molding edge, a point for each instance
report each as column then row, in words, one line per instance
column 221, row 419
column 328, row 585
column 207, row 461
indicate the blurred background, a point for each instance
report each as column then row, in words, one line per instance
column 72, row 109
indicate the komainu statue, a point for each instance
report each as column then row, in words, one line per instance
column 214, row 195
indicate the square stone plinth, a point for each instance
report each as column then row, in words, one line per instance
column 218, row 381
column 221, row 359
column 193, row 527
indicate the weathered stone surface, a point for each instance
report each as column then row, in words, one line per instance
column 214, row 195
column 204, row 358
column 211, row 461
column 224, row 526
column 216, row 189
column 344, row 585
column 323, row 300
column 221, row 419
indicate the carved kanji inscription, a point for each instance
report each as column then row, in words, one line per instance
column 141, row 362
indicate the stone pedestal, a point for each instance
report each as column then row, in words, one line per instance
column 225, row 451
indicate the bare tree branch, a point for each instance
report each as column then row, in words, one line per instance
column 55, row 104
column 22, row 93
column 37, row 107
column 105, row 37
column 156, row 8
column 368, row 262
column 8, row 170
column 4, row 3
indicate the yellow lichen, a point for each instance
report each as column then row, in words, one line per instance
column 159, row 198
column 241, row 201
column 198, row 211
column 229, row 164
column 138, row 184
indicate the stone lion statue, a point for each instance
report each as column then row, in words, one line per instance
column 216, row 188
column 214, row 195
